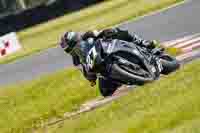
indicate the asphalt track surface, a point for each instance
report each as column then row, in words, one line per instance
column 173, row 23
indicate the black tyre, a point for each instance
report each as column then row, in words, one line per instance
column 170, row 64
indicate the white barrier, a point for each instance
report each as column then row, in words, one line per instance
column 9, row 44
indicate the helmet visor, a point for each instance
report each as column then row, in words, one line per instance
column 70, row 46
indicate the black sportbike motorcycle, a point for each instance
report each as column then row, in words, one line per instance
column 128, row 63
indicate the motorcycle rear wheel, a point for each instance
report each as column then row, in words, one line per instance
column 169, row 64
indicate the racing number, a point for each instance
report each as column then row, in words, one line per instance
column 91, row 57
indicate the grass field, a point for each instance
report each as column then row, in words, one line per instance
column 106, row 14
column 165, row 104
column 26, row 105
column 171, row 105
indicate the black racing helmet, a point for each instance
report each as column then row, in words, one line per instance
column 69, row 40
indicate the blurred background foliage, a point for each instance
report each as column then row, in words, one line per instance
column 10, row 6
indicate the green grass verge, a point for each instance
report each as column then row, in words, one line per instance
column 106, row 14
column 24, row 106
column 171, row 105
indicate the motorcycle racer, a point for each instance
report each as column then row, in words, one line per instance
column 78, row 46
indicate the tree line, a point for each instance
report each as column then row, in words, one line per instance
column 8, row 6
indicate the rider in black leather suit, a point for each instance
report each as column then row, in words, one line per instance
column 83, row 43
